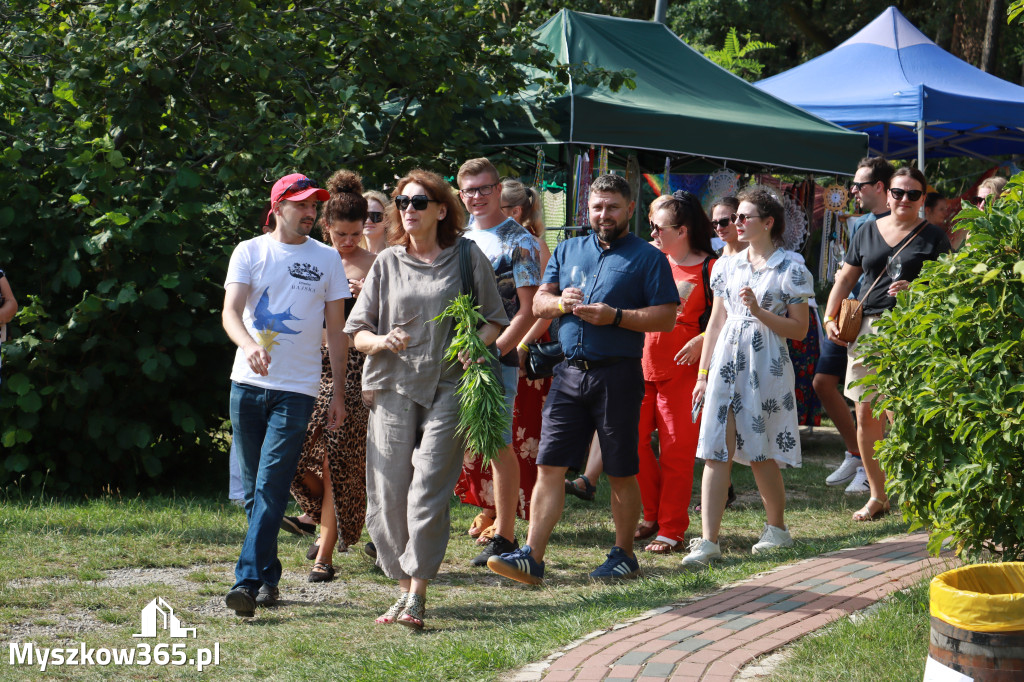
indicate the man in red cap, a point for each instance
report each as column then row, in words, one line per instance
column 280, row 289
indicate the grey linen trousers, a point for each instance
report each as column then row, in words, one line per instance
column 413, row 461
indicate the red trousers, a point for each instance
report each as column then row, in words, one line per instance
column 666, row 481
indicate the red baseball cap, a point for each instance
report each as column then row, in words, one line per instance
column 296, row 187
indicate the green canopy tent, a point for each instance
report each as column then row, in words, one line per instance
column 683, row 104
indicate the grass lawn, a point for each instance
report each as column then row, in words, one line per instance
column 73, row 571
column 890, row 642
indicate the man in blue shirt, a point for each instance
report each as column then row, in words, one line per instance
column 608, row 289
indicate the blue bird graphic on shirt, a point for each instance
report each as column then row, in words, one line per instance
column 269, row 324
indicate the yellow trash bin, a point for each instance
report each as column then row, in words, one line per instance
column 977, row 621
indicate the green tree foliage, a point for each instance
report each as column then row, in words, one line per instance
column 735, row 56
column 138, row 142
column 950, row 361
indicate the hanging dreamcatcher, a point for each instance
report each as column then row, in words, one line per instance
column 833, row 236
column 796, row 224
column 722, row 183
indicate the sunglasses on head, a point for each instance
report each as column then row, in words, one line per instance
column 375, row 216
column 721, row 222
column 911, row 194
column 298, row 186
column 419, row 202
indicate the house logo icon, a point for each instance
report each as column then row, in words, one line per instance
column 159, row 614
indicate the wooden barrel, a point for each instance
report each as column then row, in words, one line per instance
column 984, row 656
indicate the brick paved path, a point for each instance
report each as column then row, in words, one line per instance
column 712, row 638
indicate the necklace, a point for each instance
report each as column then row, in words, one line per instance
column 763, row 259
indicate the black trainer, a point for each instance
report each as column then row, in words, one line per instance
column 496, row 547
column 241, row 601
column 268, row 596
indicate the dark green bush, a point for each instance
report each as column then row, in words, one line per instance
column 138, row 143
column 951, row 363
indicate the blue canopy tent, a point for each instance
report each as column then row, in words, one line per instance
column 911, row 96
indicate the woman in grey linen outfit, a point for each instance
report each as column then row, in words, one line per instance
column 413, row 455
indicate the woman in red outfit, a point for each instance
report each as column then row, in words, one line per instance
column 670, row 372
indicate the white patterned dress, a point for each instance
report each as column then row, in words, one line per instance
column 750, row 370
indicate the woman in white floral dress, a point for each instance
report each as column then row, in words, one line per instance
column 746, row 377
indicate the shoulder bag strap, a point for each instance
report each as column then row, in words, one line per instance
column 706, row 276
column 906, row 243
column 466, row 267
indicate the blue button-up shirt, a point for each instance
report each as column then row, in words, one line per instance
column 629, row 274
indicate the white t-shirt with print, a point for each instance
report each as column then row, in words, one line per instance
column 284, row 312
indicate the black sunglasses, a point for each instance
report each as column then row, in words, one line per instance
column 375, row 216
column 721, row 222
column 858, row 185
column 740, row 218
column 911, row 194
column 419, row 202
column 660, row 228
column 298, row 186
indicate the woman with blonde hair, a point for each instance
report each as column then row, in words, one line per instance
column 378, row 222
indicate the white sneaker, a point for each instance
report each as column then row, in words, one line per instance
column 702, row 552
column 846, row 471
column 859, row 484
column 772, row 538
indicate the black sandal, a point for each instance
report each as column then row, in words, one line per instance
column 587, row 493
column 321, row 573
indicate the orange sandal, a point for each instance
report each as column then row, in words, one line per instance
column 661, row 547
column 481, row 523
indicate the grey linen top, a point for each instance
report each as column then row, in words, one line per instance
column 401, row 291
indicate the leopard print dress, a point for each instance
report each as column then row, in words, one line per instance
column 345, row 450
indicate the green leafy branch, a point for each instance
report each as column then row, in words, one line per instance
column 734, row 57
column 483, row 417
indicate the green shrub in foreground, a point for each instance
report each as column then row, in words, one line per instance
column 950, row 361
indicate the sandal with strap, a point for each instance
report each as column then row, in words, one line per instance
column 487, row 535
column 321, row 573
column 481, row 523
column 661, row 547
column 414, row 611
column 645, row 530
column 391, row 615
column 865, row 513
column 586, row 493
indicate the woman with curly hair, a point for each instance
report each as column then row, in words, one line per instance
column 745, row 380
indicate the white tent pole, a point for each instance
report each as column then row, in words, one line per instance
column 920, row 146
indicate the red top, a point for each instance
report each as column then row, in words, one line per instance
column 660, row 348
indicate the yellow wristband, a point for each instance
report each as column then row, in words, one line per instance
column 522, row 346
column 702, row 372
column 828, row 318
column 702, row 333
column 560, row 305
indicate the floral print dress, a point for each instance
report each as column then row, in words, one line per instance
column 751, row 372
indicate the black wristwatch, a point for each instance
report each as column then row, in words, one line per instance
column 618, row 317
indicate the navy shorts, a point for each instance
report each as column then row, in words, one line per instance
column 831, row 359
column 604, row 399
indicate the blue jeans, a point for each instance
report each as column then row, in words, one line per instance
column 269, row 427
